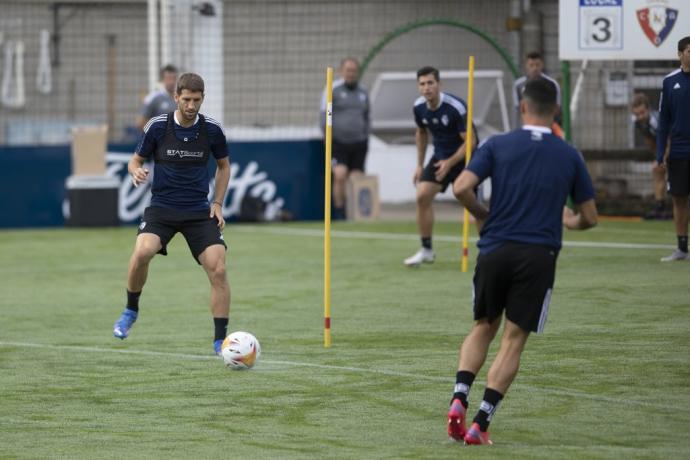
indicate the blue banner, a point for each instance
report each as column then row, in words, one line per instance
column 286, row 175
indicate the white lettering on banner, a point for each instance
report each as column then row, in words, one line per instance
column 183, row 153
column 251, row 178
column 133, row 200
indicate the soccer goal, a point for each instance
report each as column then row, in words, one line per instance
column 393, row 95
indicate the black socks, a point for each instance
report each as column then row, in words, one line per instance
column 133, row 300
column 683, row 243
column 487, row 408
column 463, row 383
column 221, row 326
column 426, row 242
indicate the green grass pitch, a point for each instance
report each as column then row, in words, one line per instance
column 609, row 378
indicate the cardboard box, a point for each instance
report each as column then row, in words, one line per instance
column 363, row 198
column 89, row 144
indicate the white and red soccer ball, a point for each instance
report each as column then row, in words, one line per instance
column 240, row 350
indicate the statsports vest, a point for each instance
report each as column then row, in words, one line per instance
column 175, row 152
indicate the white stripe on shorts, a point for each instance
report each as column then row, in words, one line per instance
column 544, row 311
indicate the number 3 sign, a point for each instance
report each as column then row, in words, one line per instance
column 601, row 24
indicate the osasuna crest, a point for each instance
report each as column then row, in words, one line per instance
column 657, row 22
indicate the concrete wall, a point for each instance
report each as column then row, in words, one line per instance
column 275, row 55
column 80, row 79
column 275, row 51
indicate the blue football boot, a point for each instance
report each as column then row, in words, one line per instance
column 124, row 324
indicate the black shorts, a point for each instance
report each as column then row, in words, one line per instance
column 679, row 177
column 351, row 155
column 517, row 278
column 429, row 173
column 198, row 229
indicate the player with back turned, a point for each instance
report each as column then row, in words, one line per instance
column 532, row 174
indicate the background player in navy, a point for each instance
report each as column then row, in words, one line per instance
column 674, row 127
column 532, row 174
column 646, row 123
column 180, row 143
column 443, row 115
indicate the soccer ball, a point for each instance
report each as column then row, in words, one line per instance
column 240, row 350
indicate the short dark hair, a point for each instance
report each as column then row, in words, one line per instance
column 426, row 70
column 167, row 69
column 541, row 95
column 683, row 43
column 191, row 82
column 640, row 99
column 534, row 55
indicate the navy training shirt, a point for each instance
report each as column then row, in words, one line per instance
column 674, row 116
column 648, row 128
column 183, row 186
column 446, row 123
column 532, row 173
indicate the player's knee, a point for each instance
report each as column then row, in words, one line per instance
column 456, row 190
column 217, row 272
column 424, row 196
column 340, row 173
column 486, row 327
column 143, row 253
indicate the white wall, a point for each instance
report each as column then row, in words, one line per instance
column 394, row 165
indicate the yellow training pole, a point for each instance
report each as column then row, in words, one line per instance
column 327, row 213
column 468, row 156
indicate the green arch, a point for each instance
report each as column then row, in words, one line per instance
column 376, row 49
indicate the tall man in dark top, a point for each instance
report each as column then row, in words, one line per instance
column 646, row 123
column 674, row 127
column 444, row 116
column 534, row 68
column 180, row 144
column 350, row 130
column 532, row 174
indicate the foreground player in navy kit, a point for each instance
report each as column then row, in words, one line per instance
column 674, row 127
column 181, row 143
column 444, row 115
column 532, row 173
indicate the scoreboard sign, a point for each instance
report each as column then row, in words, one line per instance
column 622, row 29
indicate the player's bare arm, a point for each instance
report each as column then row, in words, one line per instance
column 421, row 139
column 222, row 179
column 136, row 169
column 463, row 188
column 585, row 216
column 443, row 167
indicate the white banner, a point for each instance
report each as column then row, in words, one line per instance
column 622, row 29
